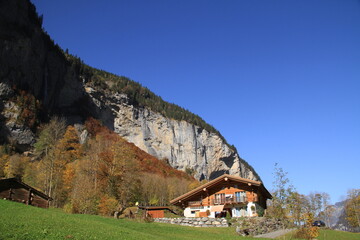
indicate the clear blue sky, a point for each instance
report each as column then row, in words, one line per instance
column 280, row 79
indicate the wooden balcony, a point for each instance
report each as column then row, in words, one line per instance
column 229, row 200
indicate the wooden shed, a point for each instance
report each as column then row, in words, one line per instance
column 156, row 211
column 15, row 190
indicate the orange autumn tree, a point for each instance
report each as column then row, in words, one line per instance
column 69, row 146
column 88, row 182
column 109, row 169
column 66, row 151
column 107, row 205
column 118, row 171
column 69, row 150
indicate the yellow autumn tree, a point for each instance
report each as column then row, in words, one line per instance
column 308, row 231
column 45, row 150
column 69, row 146
column 3, row 160
column 122, row 173
column 352, row 208
column 15, row 166
column 66, row 151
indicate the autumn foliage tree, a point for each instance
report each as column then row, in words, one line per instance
column 297, row 207
column 45, row 149
column 279, row 207
column 352, row 208
column 308, row 231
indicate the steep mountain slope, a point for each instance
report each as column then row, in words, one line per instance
column 39, row 80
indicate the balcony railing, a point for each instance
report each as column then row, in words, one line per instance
column 229, row 200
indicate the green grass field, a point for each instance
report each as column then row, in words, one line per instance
column 18, row 221
column 326, row 234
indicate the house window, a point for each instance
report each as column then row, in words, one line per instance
column 220, row 198
column 239, row 212
column 240, row 196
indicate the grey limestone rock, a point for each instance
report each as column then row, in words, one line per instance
column 182, row 144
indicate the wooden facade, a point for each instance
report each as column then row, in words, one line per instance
column 15, row 190
column 238, row 196
column 156, row 211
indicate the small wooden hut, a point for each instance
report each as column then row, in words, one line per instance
column 156, row 211
column 15, row 190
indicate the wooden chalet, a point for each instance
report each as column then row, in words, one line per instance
column 15, row 190
column 238, row 196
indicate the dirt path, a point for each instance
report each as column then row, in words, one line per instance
column 275, row 234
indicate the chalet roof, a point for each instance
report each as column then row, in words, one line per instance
column 218, row 180
column 24, row 185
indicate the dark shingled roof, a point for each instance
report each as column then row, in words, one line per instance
column 17, row 180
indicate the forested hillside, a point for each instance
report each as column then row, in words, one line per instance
column 101, row 174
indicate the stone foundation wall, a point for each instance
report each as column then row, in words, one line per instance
column 195, row 222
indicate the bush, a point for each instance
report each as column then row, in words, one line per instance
column 307, row 233
column 107, row 205
column 260, row 211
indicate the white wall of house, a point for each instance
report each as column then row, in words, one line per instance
column 187, row 212
column 237, row 211
column 191, row 211
column 249, row 210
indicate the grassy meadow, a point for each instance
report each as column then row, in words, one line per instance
column 327, row 234
column 18, row 221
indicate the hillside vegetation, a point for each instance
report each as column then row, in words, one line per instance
column 101, row 175
column 327, row 234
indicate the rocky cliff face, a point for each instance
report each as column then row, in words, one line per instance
column 30, row 61
column 183, row 145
